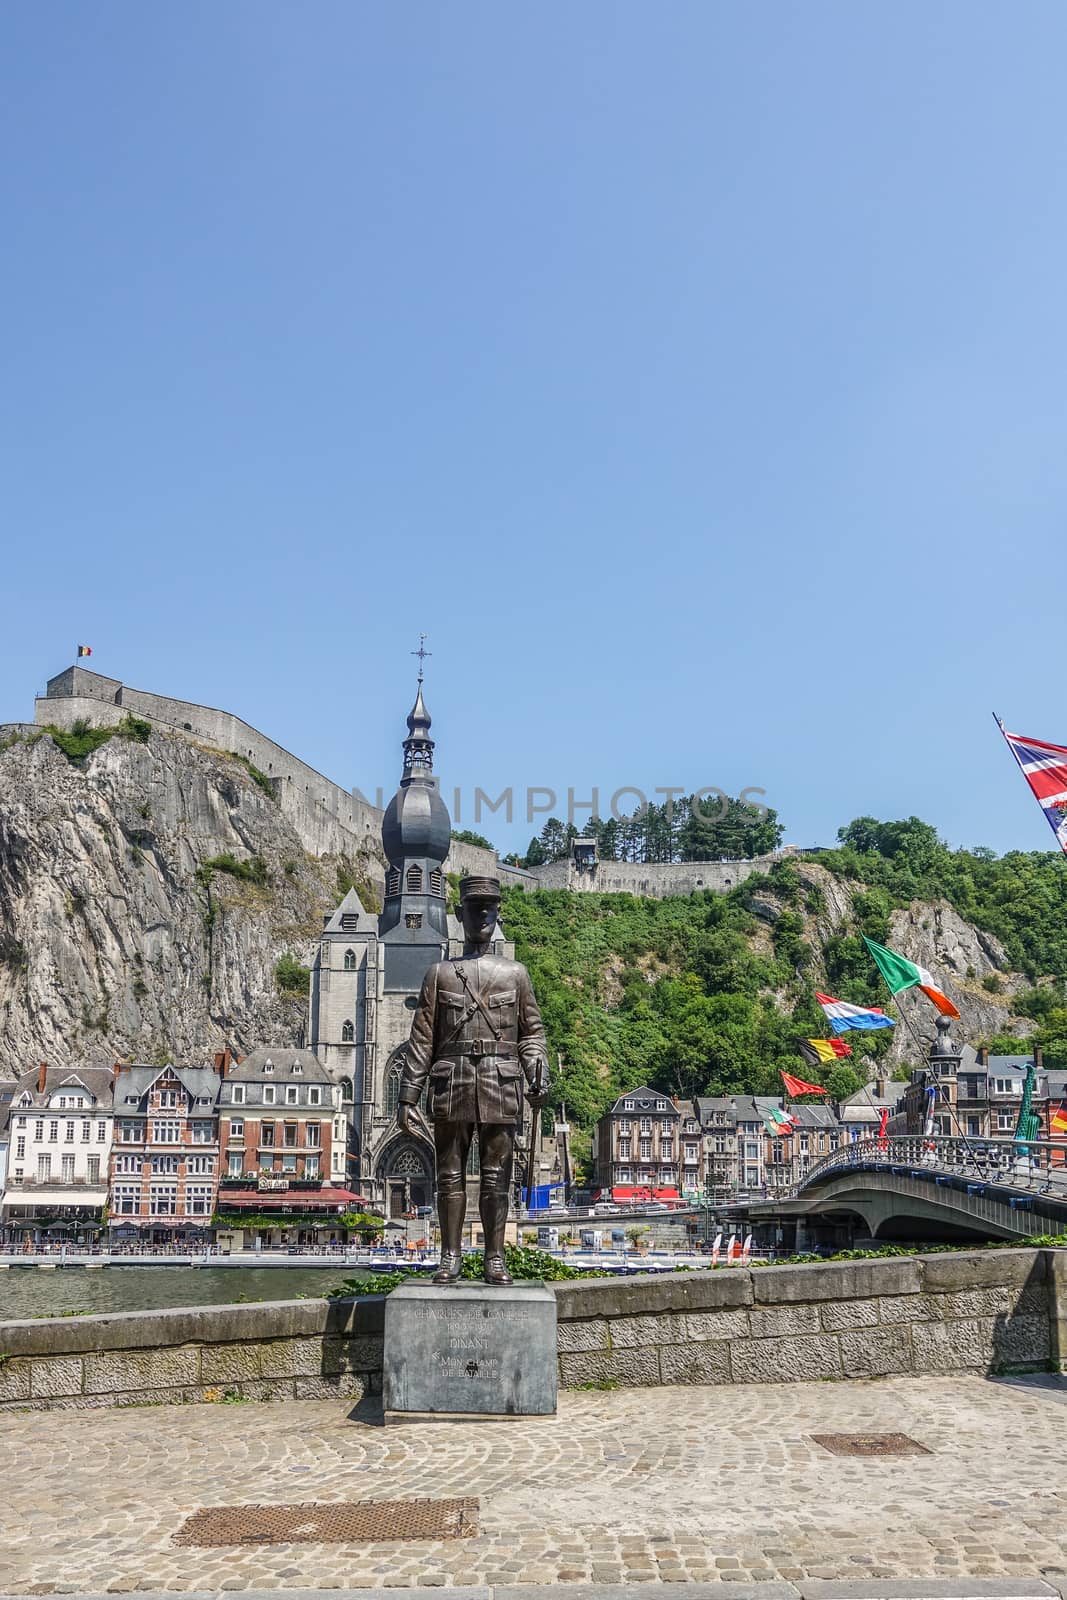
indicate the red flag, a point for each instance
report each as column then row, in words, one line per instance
column 883, row 1123
column 795, row 1086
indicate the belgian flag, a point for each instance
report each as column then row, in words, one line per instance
column 818, row 1052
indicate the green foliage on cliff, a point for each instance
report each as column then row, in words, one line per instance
column 291, row 976
column 82, row 738
column 254, row 870
column 352, row 875
column 706, row 993
column 258, row 777
column 668, row 992
column 1020, row 897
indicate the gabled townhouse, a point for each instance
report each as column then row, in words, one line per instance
column 165, row 1160
column 59, row 1123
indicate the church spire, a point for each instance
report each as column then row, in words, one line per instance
column 418, row 746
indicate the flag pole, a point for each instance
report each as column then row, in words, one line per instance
column 925, row 1056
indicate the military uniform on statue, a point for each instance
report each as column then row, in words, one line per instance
column 478, row 1037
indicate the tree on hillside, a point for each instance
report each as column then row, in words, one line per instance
column 841, row 1081
column 719, row 827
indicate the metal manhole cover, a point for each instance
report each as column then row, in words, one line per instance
column 870, row 1444
column 331, row 1522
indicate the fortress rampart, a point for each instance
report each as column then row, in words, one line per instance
column 654, row 880
column 329, row 820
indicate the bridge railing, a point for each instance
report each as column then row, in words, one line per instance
column 1039, row 1165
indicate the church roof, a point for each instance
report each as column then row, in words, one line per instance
column 340, row 921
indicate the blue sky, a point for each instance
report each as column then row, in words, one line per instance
column 692, row 375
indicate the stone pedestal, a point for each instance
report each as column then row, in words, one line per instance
column 469, row 1350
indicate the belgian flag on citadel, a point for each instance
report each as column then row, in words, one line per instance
column 84, row 650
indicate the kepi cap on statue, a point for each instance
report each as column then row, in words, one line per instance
column 473, row 888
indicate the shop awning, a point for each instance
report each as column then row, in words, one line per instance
column 82, row 1198
column 624, row 1192
column 289, row 1200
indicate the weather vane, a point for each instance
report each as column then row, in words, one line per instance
column 422, row 653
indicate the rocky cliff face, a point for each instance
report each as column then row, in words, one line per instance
column 123, row 934
column 933, row 933
column 117, row 936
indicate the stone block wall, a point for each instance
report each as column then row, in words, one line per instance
column 303, row 1349
column 979, row 1311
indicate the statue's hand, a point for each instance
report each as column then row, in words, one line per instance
column 539, row 1081
column 403, row 1119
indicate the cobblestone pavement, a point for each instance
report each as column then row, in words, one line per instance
column 635, row 1485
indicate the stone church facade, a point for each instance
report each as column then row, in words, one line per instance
column 367, row 974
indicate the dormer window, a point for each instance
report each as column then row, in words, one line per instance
column 349, row 920
column 268, row 1066
column 437, row 883
column 392, row 881
column 350, row 961
column 296, row 1068
column 413, row 880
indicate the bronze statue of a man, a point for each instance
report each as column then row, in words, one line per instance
column 477, row 1035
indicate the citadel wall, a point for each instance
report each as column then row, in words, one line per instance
column 653, row 880
column 327, row 819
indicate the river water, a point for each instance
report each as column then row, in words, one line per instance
column 28, row 1292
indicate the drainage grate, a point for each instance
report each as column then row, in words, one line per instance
column 870, row 1444
column 331, row 1522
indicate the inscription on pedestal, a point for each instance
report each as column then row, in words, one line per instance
column 467, row 1349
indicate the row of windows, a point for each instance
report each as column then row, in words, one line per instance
column 68, row 1130
column 665, row 1177
column 66, row 1170
column 236, row 1165
column 644, row 1125
column 163, row 1200
column 200, row 1165
column 290, row 1133
column 238, row 1096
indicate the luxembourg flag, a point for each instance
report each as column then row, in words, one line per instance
column 1044, row 766
column 841, row 1016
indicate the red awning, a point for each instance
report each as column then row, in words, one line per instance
column 622, row 1192
column 288, row 1199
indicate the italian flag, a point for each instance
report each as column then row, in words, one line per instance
column 900, row 973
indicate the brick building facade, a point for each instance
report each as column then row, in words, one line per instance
column 165, row 1156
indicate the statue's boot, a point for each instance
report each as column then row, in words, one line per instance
column 450, row 1212
column 494, row 1214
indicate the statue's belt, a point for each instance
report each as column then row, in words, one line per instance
column 475, row 1048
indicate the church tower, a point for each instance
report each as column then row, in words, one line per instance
column 368, row 972
column 416, row 835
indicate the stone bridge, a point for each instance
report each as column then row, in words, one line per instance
column 918, row 1188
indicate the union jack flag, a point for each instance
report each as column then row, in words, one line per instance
column 1044, row 766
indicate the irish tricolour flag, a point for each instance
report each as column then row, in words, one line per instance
column 841, row 1016
column 900, row 973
